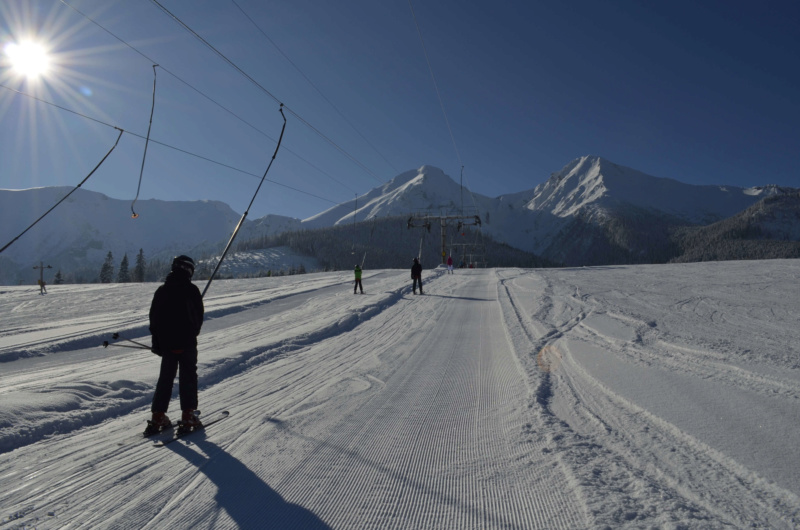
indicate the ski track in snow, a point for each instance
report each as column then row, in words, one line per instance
column 663, row 396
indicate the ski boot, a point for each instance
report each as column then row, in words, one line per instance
column 190, row 421
column 158, row 423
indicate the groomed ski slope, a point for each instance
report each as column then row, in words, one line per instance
column 651, row 396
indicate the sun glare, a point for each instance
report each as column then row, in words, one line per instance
column 28, row 58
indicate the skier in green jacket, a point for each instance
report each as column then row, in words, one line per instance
column 358, row 280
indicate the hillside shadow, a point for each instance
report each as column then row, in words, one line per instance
column 247, row 499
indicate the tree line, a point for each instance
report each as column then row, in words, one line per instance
column 142, row 270
column 388, row 243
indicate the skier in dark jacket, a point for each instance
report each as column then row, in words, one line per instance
column 416, row 275
column 176, row 315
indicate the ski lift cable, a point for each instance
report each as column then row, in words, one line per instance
column 134, row 215
column 168, row 146
column 439, row 96
column 435, row 84
column 68, row 194
column 209, row 98
column 355, row 213
column 40, row 100
column 244, row 215
column 314, row 86
column 267, row 92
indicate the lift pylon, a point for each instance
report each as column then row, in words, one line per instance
column 426, row 220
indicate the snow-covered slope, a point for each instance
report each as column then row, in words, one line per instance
column 258, row 262
column 266, row 226
column 615, row 397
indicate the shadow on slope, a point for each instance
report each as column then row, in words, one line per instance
column 244, row 496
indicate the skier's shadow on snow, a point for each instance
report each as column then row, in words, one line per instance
column 247, row 499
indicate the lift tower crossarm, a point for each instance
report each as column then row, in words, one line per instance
column 425, row 221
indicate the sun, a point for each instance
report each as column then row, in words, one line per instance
column 28, row 58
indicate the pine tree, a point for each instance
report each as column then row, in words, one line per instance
column 107, row 270
column 124, row 275
column 141, row 267
column 58, row 279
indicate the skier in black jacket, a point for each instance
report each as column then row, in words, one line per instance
column 416, row 275
column 176, row 315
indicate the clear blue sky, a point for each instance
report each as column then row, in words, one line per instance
column 704, row 92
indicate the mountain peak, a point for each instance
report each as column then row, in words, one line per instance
column 595, row 185
column 425, row 189
column 577, row 185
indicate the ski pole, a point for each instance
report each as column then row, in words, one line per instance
column 106, row 344
column 116, row 336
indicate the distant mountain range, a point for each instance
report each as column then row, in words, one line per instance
column 591, row 212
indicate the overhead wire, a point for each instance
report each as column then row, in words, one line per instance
column 441, row 103
column 314, row 86
column 267, row 92
column 168, row 146
column 435, row 84
column 68, row 194
column 209, row 98
column 444, row 112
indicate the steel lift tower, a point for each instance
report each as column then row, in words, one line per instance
column 426, row 220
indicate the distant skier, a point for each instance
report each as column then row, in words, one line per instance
column 358, row 280
column 450, row 264
column 176, row 315
column 416, row 275
column 42, row 287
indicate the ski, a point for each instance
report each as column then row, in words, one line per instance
column 178, row 434
column 149, row 434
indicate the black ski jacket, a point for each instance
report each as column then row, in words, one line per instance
column 176, row 314
column 416, row 271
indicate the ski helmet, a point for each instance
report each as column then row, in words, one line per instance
column 184, row 263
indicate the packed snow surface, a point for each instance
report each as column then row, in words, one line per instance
column 635, row 396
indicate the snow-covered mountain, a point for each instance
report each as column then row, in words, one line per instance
column 592, row 211
column 564, row 218
column 81, row 231
column 594, row 184
column 425, row 189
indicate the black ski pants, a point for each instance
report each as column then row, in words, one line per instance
column 420, row 284
column 170, row 363
column 358, row 286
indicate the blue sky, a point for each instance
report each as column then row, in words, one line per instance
column 701, row 92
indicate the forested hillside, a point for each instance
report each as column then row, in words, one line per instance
column 769, row 229
column 388, row 243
